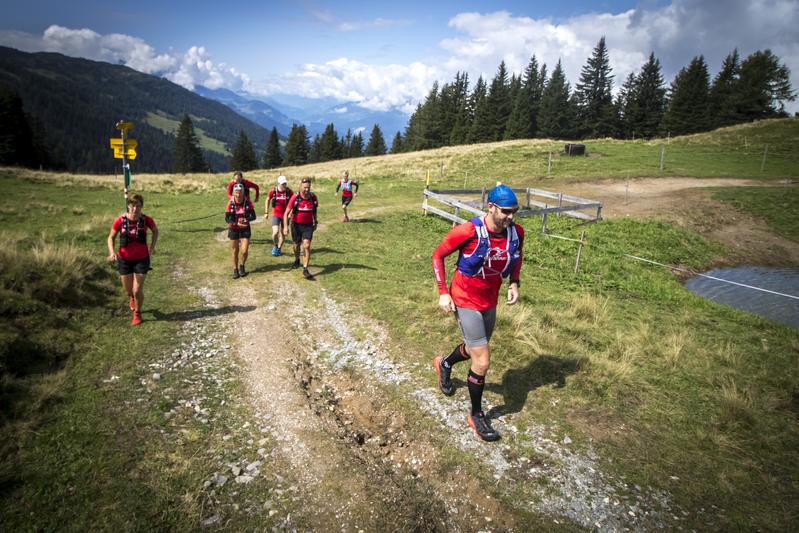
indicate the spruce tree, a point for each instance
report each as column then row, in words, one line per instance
column 356, row 150
column 187, row 156
column 315, row 152
column 498, row 105
column 521, row 124
column 376, row 145
column 478, row 114
column 16, row 135
column 722, row 93
column 557, row 116
column 243, row 158
column 459, row 130
column 272, row 156
column 688, row 102
column 329, row 146
column 626, row 103
column 297, row 146
column 396, row 145
column 763, row 87
column 650, row 100
column 593, row 94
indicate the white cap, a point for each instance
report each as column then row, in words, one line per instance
column 238, row 187
column 281, row 180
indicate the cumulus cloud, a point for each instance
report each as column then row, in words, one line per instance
column 195, row 67
column 675, row 33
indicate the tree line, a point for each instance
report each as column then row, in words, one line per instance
column 298, row 149
column 538, row 104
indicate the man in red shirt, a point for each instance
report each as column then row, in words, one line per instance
column 278, row 198
column 490, row 249
column 238, row 215
column 133, row 257
column 302, row 212
column 238, row 177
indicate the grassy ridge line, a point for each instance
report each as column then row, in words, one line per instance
column 735, row 151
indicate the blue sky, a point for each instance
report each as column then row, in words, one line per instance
column 388, row 55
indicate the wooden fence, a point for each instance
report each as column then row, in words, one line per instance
column 534, row 202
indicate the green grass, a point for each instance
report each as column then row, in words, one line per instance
column 779, row 206
column 682, row 394
column 168, row 125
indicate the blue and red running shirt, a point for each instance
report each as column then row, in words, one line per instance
column 478, row 292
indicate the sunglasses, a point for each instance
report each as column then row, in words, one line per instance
column 508, row 210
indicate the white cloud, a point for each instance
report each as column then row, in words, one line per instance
column 675, row 33
column 195, row 67
column 330, row 20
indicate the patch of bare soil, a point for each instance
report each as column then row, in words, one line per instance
column 687, row 202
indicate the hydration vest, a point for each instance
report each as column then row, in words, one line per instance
column 346, row 186
column 473, row 263
column 249, row 212
column 299, row 198
column 275, row 192
column 141, row 230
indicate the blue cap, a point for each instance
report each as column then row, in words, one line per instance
column 502, row 196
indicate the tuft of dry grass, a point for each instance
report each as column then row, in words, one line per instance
column 736, row 404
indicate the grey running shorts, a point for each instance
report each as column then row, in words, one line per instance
column 476, row 326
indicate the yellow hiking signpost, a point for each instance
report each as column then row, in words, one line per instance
column 124, row 149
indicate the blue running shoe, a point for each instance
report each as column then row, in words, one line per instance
column 274, row 251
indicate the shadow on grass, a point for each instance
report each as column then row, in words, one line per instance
column 517, row 383
column 181, row 316
column 365, row 221
column 333, row 267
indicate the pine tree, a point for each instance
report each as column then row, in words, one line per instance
column 557, row 116
column 187, row 156
column 243, row 158
column 376, row 145
column 763, row 87
column 424, row 127
column 722, row 92
column 396, row 145
column 315, row 153
column 460, row 128
column 626, row 102
column 688, row 101
column 646, row 119
column 346, row 144
column 593, row 95
column 297, row 146
column 272, row 157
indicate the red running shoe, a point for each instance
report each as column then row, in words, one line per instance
column 482, row 428
column 136, row 319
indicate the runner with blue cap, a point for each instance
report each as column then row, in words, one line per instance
column 489, row 250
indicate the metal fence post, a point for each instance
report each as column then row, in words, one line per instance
column 579, row 251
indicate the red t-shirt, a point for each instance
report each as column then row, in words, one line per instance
column 475, row 292
column 281, row 200
column 241, row 221
column 133, row 251
column 305, row 209
column 247, row 184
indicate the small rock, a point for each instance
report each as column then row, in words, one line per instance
column 211, row 520
column 244, row 479
column 567, row 440
column 236, row 470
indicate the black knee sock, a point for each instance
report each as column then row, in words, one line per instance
column 476, row 384
column 458, row 354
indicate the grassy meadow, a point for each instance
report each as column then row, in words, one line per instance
column 672, row 391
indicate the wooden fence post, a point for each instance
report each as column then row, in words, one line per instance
column 579, row 252
column 765, row 154
column 483, row 198
column 457, row 214
column 549, row 165
column 544, row 221
column 662, row 156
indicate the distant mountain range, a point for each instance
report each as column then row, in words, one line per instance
column 76, row 102
column 283, row 110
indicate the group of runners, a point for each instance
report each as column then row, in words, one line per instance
column 489, row 250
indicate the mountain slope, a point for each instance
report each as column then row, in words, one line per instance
column 78, row 101
column 258, row 111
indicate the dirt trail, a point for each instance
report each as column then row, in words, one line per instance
column 374, row 446
column 687, row 202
